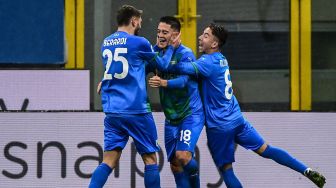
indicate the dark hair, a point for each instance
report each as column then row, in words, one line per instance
column 172, row 21
column 125, row 13
column 220, row 32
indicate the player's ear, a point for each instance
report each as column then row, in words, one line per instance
column 214, row 44
column 133, row 21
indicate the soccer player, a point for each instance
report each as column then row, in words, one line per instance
column 124, row 99
column 225, row 124
column 182, row 106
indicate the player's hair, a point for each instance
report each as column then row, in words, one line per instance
column 220, row 32
column 172, row 21
column 125, row 13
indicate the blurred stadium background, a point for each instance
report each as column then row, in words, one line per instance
column 283, row 65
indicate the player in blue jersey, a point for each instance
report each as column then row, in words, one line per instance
column 124, row 99
column 182, row 106
column 225, row 124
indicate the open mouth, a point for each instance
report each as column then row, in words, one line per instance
column 162, row 40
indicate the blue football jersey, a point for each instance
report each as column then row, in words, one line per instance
column 124, row 86
column 181, row 96
column 220, row 105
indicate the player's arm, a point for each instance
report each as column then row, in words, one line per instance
column 147, row 53
column 149, row 68
column 195, row 68
column 99, row 87
column 153, row 58
column 188, row 65
column 156, row 48
column 178, row 82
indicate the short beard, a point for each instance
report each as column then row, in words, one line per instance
column 136, row 31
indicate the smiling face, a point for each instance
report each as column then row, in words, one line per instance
column 207, row 42
column 164, row 34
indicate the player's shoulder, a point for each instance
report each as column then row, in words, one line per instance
column 213, row 56
column 140, row 40
column 186, row 52
column 116, row 34
column 108, row 38
column 218, row 58
column 204, row 57
column 210, row 59
column 140, row 43
column 184, row 49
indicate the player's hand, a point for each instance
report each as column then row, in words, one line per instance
column 157, row 41
column 156, row 81
column 175, row 40
column 99, row 87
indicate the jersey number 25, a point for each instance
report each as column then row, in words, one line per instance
column 117, row 57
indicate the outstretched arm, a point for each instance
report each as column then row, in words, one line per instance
column 200, row 67
column 161, row 63
column 153, row 58
column 188, row 68
column 178, row 82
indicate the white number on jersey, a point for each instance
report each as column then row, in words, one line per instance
column 117, row 57
column 185, row 136
column 228, row 83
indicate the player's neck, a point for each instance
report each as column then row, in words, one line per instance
column 212, row 50
column 127, row 29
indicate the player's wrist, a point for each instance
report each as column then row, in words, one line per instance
column 163, row 83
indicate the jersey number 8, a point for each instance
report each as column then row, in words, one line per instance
column 228, row 87
column 117, row 57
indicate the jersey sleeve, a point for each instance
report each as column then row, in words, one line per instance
column 149, row 68
column 156, row 48
column 188, row 56
column 146, row 45
column 181, row 81
column 178, row 82
column 195, row 68
column 146, row 51
column 161, row 63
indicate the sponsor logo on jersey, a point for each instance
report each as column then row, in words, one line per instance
column 173, row 62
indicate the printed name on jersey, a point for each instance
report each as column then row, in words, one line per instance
column 223, row 63
column 117, row 41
